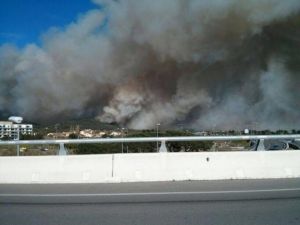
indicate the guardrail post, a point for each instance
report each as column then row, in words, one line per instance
column 62, row 150
column 18, row 150
column 163, row 147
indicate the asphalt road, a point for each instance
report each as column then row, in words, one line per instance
column 253, row 202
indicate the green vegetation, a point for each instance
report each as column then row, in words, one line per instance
column 97, row 148
column 28, row 150
column 194, row 146
column 31, row 137
column 143, row 147
column 8, row 150
column 240, row 143
column 73, row 136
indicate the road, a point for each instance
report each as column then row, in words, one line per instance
column 253, row 202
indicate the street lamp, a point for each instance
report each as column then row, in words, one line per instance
column 56, row 127
column 157, row 126
column 122, row 133
column 17, row 120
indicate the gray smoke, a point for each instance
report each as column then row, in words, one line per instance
column 202, row 63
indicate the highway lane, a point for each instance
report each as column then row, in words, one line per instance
column 206, row 202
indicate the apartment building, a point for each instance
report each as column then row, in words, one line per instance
column 10, row 129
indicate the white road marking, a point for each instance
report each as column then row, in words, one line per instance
column 150, row 193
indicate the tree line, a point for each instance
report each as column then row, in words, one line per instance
column 145, row 147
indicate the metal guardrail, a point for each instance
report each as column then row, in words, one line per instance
column 162, row 140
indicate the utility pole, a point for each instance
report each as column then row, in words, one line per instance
column 18, row 138
column 17, row 121
column 157, row 126
column 122, row 133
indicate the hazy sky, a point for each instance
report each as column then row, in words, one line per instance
column 22, row 22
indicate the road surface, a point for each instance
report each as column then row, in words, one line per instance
column 243, row 202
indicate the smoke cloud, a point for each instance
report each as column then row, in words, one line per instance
column 205, row 64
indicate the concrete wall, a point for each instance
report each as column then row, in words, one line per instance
column 150, row 167
column 207, row 166
column 56, row 169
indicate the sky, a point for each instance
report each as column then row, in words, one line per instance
column 202, row 63
column 24, row 21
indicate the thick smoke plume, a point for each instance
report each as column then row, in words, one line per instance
column 202, row 63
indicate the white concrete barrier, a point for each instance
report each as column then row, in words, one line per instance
column 56, row 169
column 206, row 166
column 150, row 167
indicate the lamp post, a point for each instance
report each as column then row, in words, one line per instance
column 255, row 124
column 122, row 133
column 18, row 120
column 56, row 127
column 18, row 138
column 157, row 126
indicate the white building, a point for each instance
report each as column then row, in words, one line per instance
column 9, row 129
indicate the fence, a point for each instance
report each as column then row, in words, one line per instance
column 61, row 142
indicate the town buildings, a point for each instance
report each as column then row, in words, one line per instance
column 10, row 130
